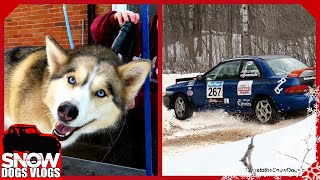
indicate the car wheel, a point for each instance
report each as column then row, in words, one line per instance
column 182, row 107
column 265, row 111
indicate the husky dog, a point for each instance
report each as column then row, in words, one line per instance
column 69, row 92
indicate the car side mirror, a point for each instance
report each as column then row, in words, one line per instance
column 199, row 77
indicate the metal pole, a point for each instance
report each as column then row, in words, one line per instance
column 68, row 26
column 147, row 102
column 82, row 32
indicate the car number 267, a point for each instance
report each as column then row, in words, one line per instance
column 214, row 92
column 215, row 89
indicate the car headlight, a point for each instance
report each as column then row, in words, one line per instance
column 169, row 92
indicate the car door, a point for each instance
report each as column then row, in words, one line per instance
column 218, row 88
column 248, row 84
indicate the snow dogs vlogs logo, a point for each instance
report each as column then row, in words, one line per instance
column 28, row 153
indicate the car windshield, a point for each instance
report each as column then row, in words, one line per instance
column 284, row 66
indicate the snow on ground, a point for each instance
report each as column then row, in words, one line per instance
column 279, row 150
column 198, row 145
column 211, row 127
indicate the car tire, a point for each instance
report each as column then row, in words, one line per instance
column 265, row 111
column 182, row 107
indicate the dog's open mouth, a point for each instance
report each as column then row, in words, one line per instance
column 63, row 132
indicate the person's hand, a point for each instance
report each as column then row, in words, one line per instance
column 122, row 16
column 131, row 104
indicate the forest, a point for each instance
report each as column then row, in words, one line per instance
column 197, row 37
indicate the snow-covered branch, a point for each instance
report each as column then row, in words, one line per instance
column 246, row 159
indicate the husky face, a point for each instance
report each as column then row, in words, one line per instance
column 88, row 89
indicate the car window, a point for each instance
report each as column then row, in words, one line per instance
column 22, row 132
column 31, row 131
column 228, row 70
column 284, row 66
column 249, row 70
column 13, row 131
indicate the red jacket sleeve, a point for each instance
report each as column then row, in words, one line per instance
column 104, row 29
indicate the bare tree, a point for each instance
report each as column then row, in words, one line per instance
column 197, row 37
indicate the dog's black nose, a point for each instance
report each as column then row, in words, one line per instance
column 67, row 111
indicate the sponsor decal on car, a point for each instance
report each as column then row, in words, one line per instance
column 215, row 89
column 277, row 89
column 226, row 100
column 244, row 88
column 243, row 102
column 309, row 78
column 215, row 100
column 191, row 83
column 190, row 93
column 249, row 63
column 249, row 73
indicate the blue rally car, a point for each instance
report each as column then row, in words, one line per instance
column 260, row 85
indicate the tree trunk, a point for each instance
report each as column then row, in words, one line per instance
column 174, row 59
column 246, row 44
column 229, row 33
column 210, row 50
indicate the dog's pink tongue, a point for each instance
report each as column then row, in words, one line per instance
column 63, row 129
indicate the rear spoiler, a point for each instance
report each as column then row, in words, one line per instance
column 297, row 73
column 184, row 79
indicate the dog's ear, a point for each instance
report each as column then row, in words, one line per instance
column 133, row 75
column 56, row 55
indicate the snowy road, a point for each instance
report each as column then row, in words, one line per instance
column 210, row 127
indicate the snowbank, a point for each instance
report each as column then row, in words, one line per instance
column 279, row 152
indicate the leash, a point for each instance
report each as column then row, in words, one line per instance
column 117, row 138
column 126, row 33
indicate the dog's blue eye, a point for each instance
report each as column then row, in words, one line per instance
column 101, row 93
column 72, row 80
